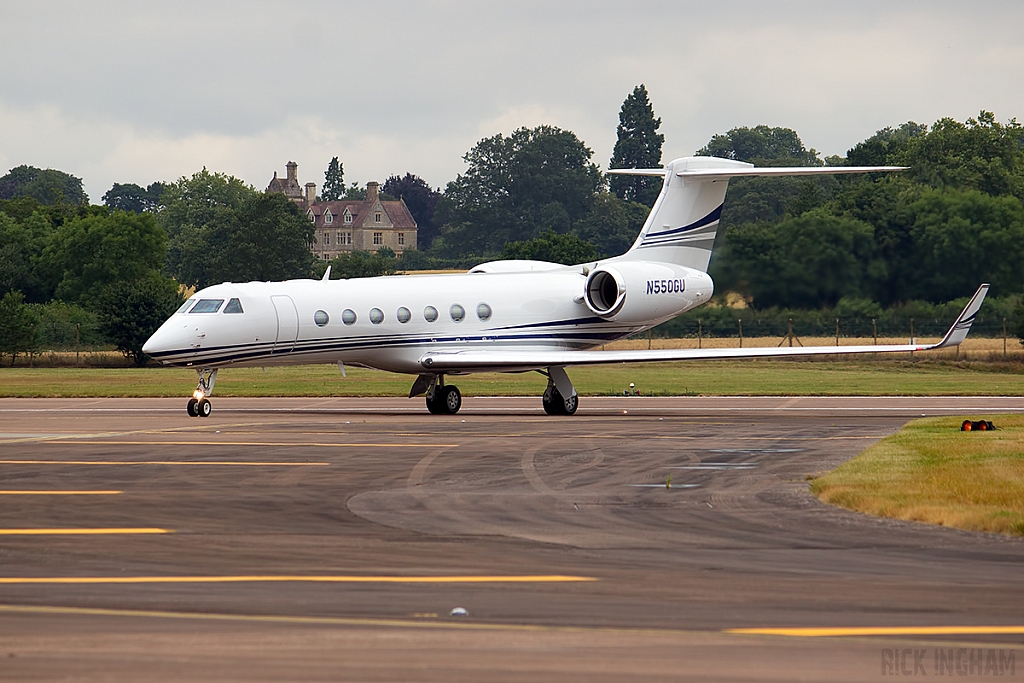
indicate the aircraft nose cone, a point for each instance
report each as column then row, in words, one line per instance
column 150, row 346
column 161, row 340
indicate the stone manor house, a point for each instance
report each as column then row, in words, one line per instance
column 347, row 225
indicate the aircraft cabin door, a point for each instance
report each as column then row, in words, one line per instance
column 287, row 323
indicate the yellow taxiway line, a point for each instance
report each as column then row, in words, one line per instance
column 226, row 463
column 554, row 578
column 13, row 492
column 839, row 631
column 84, row 532
column 284, row 444
column 417, row 621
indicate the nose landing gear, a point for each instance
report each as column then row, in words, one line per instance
column 199, row 405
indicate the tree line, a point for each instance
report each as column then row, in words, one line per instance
column 873, row 242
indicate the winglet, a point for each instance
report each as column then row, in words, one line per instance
column 958, row 332
column 327, row 275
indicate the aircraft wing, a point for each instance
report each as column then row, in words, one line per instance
column 469, row 360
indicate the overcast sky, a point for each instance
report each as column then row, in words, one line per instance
column 137, row 92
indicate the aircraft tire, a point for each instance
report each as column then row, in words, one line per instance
column 204, row 408
column 550, row 407
column 434, row 405
column 452, row 399
column 190, row 408
column 557, row 405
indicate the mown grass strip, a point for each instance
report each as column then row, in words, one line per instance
column 721, row 378
column 932, row 472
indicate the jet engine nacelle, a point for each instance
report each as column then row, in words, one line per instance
column 643, row 291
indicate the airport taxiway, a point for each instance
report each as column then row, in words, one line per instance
column 329, row 539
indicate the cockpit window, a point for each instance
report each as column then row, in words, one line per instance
column 184, row 306
column 207, row 306
column 234, row 306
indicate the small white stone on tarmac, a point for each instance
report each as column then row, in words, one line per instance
column 463, row 420
column 460, row 612
column 661, row 419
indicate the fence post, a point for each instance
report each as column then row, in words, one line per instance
column 78, row 337
column 837, row 331
column 912, row 338
column 650, row 335
column 789, row 333
column 874, row 330
column 740, row 321
column 1004, row 338
column 700, row 332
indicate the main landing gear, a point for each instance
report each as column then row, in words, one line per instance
column 199, row 405
column 560, row 397
column 442, row 399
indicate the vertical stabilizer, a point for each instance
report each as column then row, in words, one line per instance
column 682, row 226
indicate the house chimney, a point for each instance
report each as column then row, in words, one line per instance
column 292, row 166
column 310, row 193
column 372, row 190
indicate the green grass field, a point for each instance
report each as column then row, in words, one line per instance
column 723, row 378
column 932, row 472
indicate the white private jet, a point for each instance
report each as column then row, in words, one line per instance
column 502, row 316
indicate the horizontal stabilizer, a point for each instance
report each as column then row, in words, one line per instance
column 722, row 174
column 470, row 360
column 660, row 172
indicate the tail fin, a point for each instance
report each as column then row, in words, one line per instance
column 682, row 226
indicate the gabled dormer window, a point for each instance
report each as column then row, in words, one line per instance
column 311, row 216
column 328, row 217
column 348, row 217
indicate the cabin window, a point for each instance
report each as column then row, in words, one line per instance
column 321, row 318
column 348, row 316
column 184, row 306
column 401, row 238
column 376, row 316
column 457, row 312
column 483, row 311
column 430, row 314
column 404, row 315
column 207, row 306
column 234, row 306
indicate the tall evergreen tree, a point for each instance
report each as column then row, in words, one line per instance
column 334, row 182
column 638, row 146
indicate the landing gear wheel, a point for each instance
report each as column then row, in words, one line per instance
column 204, row 408
column 434, row 403
column 452, row 399
column 550, row 407
column 555, row 404
column 190, row 408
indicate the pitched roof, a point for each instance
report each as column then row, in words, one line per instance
column 397, row 212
